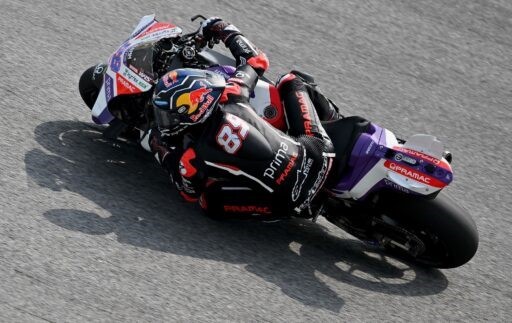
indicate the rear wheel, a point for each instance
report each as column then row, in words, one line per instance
column 437, row 232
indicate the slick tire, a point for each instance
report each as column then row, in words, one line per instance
column 448, row 232
column 90, row 83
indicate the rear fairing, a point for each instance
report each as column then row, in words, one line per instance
column 378, row 162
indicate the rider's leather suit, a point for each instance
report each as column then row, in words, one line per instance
column 236, row 163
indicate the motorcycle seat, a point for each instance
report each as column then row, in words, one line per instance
column 344, row 134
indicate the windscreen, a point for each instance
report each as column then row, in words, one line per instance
column 140, row 60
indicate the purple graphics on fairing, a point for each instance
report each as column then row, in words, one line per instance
column 362, row 157
column 225, row 70
column 378, row 161
column 109, row 87
column 117, row 58
column 105, row 116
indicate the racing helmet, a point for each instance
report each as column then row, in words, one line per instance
column 185, row 97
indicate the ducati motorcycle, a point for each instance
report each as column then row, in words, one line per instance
column 388, row 190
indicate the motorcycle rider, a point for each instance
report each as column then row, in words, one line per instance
column 219, row 152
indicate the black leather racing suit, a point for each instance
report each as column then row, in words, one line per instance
column 236, row 163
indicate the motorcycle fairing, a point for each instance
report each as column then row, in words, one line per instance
column 128, row 73
column 266, row 101
column 378, row 161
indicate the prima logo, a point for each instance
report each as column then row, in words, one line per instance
column 277, row 161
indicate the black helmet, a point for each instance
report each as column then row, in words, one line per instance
column 185, row 97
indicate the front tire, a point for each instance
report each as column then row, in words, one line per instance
column 90, row 83
column 448, row 233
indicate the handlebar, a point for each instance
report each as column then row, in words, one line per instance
column 193, row 36
column 186, row 46
column 194, row 18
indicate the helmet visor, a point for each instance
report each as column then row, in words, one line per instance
column 166, row 119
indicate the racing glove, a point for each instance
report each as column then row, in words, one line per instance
column 242, row 49
column 217, row 29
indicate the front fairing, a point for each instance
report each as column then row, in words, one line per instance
column 130, row 67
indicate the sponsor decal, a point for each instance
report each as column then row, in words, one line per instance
column 109, row 87
column 166, row 33
column 421, row 155
column 247, row 209
column 413, row 174
column 154, row 28
column 98, row 70
column 158, row 30
column 287, row 170
column 243, row 45
column 124, row 87
column 369, row 147
column 240, row 75
column 406, row 159
column 221, row 73
column 145, row 77
column 396, row 186
column 134, row 79
column 191, row 100
column 187, row 186
column 302, row 174
column 129, row 53
column 319, row 181
column 115, row 61
column 326, row 165
column 277, row 161
column 304, row 109
column 207, row 103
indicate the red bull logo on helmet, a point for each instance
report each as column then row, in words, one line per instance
column 192, row 99
column 204, row 107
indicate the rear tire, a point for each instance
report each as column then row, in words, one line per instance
column 447, row 231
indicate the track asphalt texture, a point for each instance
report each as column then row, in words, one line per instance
column 91, row 231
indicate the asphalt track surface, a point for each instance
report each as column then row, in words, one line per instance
column 91, row 231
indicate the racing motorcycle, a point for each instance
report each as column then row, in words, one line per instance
column 388, row 190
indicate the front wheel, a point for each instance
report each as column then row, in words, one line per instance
column 437, row 232
column 90, row 83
